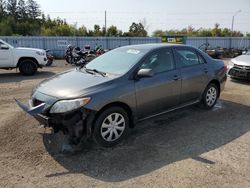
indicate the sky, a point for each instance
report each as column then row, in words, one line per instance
column 156, row 14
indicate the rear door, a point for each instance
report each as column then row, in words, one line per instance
column 194, row 73
column 161, row 91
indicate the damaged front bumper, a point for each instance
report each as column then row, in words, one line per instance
column 76, row 124
column 36, row 112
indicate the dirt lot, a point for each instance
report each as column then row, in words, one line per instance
column 187, row 148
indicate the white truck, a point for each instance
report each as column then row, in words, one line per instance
column 27, row 60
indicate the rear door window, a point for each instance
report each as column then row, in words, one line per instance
column 187, row 58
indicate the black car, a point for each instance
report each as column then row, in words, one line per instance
column 108, row 96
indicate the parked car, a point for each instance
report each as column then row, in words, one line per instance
column 107, row 97
column 239, row 67
column 216, row 53
column 27, row 60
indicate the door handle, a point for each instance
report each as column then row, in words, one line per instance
column 176, row 77
column 205, row 70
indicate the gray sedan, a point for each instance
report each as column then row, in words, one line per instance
column 108, row 96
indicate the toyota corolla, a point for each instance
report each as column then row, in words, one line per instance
column 108, row 96
column 239, row 67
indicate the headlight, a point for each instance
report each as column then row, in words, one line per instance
column 40, row 53
column 69, row 105
column 231, row 64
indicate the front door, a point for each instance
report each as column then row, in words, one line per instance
column 5, row 57
column 161, row 91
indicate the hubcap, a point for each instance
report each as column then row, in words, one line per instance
column 113, row 127
column 211, row 96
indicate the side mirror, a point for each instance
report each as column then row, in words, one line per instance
column 144, row 73
column 4, row 47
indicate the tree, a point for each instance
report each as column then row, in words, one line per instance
column 82, row 31
column 21, row 10
column 190, row 29
column 11, row 8
column 137, row 30
column 5, row 30
column 2, row 9
column 33, row 9
column 204, row 33
column 201, row 32
column 216, row 31
column 43, row 19
column 97, row 30
column 112, row 31
column 226, row 32
column 159, row 33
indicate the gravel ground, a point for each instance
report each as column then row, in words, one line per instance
column 190, row 147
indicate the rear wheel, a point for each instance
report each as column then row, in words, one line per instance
column 210, row 96
column 111, row 126
column 49, row 63
column 28, row 67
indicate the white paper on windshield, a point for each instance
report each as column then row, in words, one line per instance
column 133, row 51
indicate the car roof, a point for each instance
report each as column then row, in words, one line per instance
column 153, row 46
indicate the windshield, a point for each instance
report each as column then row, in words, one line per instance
column 117, row 61
column 5, row 43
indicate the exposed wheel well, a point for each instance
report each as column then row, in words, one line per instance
column 122, row 105
column 25, row 58
column 217, row 83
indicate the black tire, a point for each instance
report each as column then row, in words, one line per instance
column 28, row 67
column 210, row 96
column 99, row 130
column 49, row 63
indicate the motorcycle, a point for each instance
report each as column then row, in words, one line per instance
column 216, row 53
column 99, row 50
column 78, row 57
column 50, row 58
column 68, row 54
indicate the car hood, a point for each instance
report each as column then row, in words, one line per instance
column 242, row 60
column 30, row 49
column 72, row 84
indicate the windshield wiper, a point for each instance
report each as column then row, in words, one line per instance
column 92, row 71
column 97, row 71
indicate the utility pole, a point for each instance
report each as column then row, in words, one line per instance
column 105, row 22
column 232, row 27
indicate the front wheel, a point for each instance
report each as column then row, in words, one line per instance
column 210, row 96
column 111, row 127
column 28, row 67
